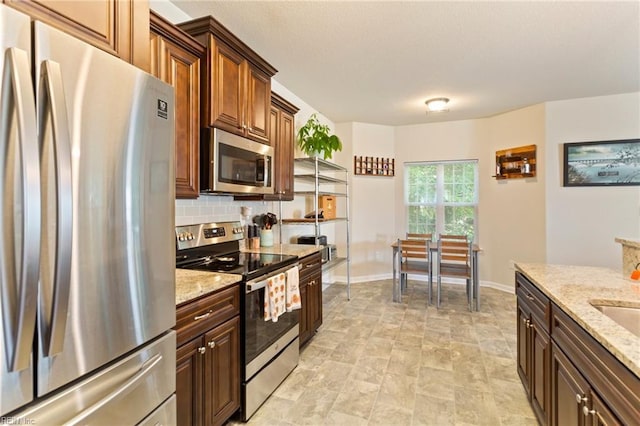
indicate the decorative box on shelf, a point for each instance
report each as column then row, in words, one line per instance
column 516, row 163
column 374, row 166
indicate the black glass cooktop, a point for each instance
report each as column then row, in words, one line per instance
column 249, row 265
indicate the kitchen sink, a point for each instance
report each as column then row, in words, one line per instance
column 628, row 317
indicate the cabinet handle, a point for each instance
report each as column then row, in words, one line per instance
column 312, row 282
column 580, row 399
column 202, row 350
column 586, row 411
column 212, row 344
column 530, row 297
column 203, row 316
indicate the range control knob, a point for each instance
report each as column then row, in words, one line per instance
column 181, row 237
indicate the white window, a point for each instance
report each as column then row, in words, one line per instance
column 442, row 197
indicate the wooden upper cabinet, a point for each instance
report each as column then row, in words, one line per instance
column 175, row 59
column 119, row 27
column 258, row 104
column 225, row 107
column 283, row 140
column 236, row 81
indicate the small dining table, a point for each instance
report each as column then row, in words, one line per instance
column 475, row 280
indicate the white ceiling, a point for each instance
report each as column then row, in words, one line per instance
column 378, row 61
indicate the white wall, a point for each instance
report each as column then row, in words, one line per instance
column 512, row 211
column 582, row 222
column 372, row 200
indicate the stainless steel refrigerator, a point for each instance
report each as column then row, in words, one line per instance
column 87, row 290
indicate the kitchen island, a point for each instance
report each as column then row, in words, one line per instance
column 574, row 361
column 572, row 288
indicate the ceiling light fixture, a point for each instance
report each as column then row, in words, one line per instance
column 437, row 105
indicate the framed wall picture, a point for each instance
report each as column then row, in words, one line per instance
column 602, row 163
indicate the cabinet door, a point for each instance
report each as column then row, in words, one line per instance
column 600, row 412
column 305, row 326
column 226, row 102
column 540, row 375
column 315, row 301
column 285, row 151
column 523, row 345
column 120, row 27
column 181, row 69
column 189, row 385
column 569, row 391
column 222, row 372
column 258, row 103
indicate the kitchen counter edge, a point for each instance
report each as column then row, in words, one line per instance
column 193, row 284
column 300, row 250
column 573, row 287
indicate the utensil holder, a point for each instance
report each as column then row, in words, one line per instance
column 266, row 238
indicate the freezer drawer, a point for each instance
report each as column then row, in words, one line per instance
column 123, row 393
column 165, row 415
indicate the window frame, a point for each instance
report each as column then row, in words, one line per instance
column 439, row 203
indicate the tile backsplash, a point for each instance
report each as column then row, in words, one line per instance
column 216, row 208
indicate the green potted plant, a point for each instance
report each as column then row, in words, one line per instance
column 314, row 139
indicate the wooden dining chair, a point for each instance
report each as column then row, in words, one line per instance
column 428, row 237
column 414, row 259
column 454, row 260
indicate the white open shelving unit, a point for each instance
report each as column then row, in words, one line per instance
column 317, row 167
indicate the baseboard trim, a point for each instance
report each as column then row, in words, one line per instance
column 456, row 281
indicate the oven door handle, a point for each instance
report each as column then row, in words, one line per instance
column 261, row 282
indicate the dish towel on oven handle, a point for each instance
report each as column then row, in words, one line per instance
column 293, row 289
column 274, row 297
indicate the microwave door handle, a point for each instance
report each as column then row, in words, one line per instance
column 267, row 171
column 52, row 111
column 19, row 275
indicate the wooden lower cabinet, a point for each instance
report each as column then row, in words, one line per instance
column 571, row 379
column 208, row 365
column 189, row 383
column 120, row 27
column 222, row 372
column 534, row 349
column 569, row 391
column 310, row 296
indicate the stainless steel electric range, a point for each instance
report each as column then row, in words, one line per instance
column 269, row 349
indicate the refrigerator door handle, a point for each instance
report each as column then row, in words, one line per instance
column 52, row 106
column 145, row 369
column 19, row 274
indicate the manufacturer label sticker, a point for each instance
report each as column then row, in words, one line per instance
column 162, row 109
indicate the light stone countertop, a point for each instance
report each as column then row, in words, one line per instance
column 628, row 242
column 192, row 284
column 573, row 287
column 300, row 250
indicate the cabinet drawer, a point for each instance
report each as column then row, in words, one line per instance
column 196, row 317
column 310, row 264
column 537, row 302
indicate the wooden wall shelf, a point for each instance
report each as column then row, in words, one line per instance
column 516, row 163
column 373, row 166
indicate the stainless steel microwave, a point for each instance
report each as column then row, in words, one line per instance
column 232, row 164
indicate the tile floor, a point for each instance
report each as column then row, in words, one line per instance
column 374, row 362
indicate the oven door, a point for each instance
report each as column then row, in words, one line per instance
column 239, row 165
column 264, row 338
